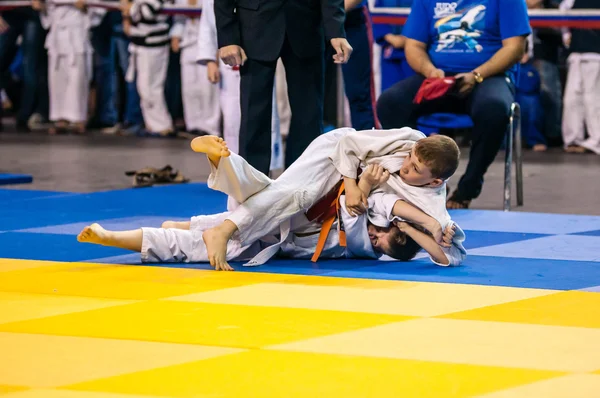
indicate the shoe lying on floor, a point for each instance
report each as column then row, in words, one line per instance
column 149, row 176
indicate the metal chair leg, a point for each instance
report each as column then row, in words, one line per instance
column 508, row 159
column 518, row 150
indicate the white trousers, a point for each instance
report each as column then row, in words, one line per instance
column 150, row 67
column 234, row 177
column 69, row 86
column 237, row 178
column 581, row 107
column 200, row 97
column 187, row 246
column 308, row 179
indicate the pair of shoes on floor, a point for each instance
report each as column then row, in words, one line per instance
column 148, row 176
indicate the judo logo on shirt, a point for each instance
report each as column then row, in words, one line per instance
column 444, row 9
column 459, row 30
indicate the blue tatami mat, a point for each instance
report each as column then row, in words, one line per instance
column 505, row 249
column 12, row 195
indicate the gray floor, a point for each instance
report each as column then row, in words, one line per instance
column 555, row 182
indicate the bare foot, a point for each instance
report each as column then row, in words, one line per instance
column 211, row 145
column 216, row 245
column 176, row 225
column 540, row 148
column 575, row 149
column 93, row 234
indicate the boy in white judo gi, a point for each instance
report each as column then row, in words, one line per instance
column 182, row 241
column 69, row 60
column 418, row 168
column 228, row 79
column 201, row 108
column 148, row 30
column 581, row 110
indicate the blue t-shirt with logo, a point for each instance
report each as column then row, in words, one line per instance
column 464, row 34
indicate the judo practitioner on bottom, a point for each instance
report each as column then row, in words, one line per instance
column 183, row 242
column 418, row 168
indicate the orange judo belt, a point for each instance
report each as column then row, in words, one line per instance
column 325, row 211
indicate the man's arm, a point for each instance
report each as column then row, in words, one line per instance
column 511, row 52
column 333, row 15
column 418, row 59
column 333, row 18
column 350, row 5
column 228, row 25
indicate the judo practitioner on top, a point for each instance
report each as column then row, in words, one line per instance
column 418, row 167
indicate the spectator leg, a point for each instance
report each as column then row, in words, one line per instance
column 489, row 107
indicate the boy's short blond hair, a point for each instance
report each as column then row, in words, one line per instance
column 440, row 154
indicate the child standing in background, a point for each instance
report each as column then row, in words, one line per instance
column 69, row 60
column 149, row 57
column 200, row 98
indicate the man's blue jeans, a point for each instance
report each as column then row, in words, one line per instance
column 111, row 50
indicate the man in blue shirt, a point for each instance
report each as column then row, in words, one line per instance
column 479, row 42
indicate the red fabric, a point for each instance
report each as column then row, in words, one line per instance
column 434, row 88
column 324, row 207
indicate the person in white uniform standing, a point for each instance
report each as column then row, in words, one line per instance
column 201, row 108
column 581, row 110
column 149, row 52
column 228, row 79
column 69, row 60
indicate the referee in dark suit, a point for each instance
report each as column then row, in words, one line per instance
column 254, row 34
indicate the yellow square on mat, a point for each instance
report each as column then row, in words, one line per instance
column 121, row 281
column 11, row 264
column 4, row 389
column 423, row 299
column 570, row 386
column 562, row 309
column 468, row 342
column 44, row 393
column 22, row 306
column 313, row 280
column 200, row 323
column 48, row 361
column 264, row 374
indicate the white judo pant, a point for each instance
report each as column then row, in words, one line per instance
column 307, row 180
column 187, row 246
column 69, row 86
column 581, row 106
column 234, row 177
column 200, row 97
column 237, row 178
column 148, row 66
